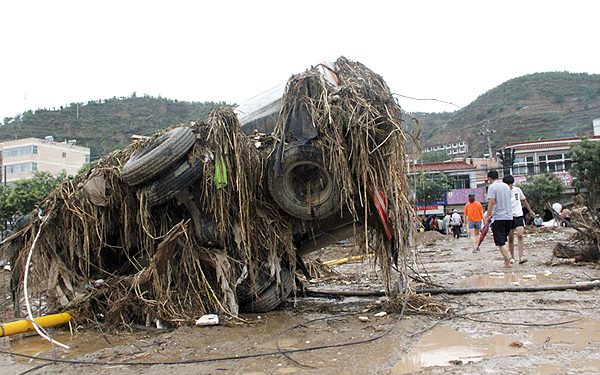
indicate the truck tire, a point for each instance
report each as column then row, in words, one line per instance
column 246, row 290
column 304, row 188
column 273, row 296
column 160, row 154
column 172, row 181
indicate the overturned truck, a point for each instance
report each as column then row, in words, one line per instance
column 217, row 216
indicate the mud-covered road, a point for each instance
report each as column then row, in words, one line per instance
column 541, row 332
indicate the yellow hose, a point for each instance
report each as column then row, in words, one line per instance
column 22, row 326
column 344, row 260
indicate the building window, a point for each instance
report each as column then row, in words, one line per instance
column 518, row 170
column 554, row 163
column 462, row 181
column 530, row 165
column 519, row 166
column 21, row 168
column 19, row 151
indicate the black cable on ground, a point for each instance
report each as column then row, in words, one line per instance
column 35, row 368
column 467, row 316
column 330, row 318
column 304, row 325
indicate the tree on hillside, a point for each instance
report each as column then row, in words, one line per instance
column 436, row 156
column 586, row 169
column 541, row 191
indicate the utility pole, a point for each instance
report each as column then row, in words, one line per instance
column 486, row 131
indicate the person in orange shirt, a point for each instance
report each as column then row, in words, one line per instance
column 474, row 218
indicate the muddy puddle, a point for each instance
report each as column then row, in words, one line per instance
column 445, row 346
column 511, row 278
column 80, row 344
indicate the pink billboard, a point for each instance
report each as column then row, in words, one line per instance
column 461, row 196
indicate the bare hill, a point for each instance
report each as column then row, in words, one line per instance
column 535, row 106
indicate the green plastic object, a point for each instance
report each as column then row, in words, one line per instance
column 220, row 174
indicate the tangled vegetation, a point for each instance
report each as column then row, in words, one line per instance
column 111, row 255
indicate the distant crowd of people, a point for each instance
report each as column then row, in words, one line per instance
column 504, row 215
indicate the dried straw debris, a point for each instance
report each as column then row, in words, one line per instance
column 104, row 252
column 584, row 245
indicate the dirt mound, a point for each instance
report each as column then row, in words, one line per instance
column 429, row 237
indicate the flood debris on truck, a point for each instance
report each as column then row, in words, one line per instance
column 584, row 244
column 213, row 218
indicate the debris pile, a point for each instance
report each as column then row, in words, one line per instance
column 106, row 246
column 584, row 245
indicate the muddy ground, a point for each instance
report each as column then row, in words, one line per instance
column 542, row 332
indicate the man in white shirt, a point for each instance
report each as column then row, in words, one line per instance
column 516, row 198
column 499, row 208
column 456, row 222
column 447, row 221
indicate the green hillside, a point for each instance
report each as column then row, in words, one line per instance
column 105, row 125
column 535, row 106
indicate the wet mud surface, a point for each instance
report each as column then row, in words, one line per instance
column 545, row 332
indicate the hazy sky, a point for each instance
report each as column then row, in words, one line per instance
column 58, row 52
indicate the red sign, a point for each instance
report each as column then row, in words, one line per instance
column 434, row 210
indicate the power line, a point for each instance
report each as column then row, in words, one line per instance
column 424, row 99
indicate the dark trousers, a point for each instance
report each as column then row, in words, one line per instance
column 456, row 231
